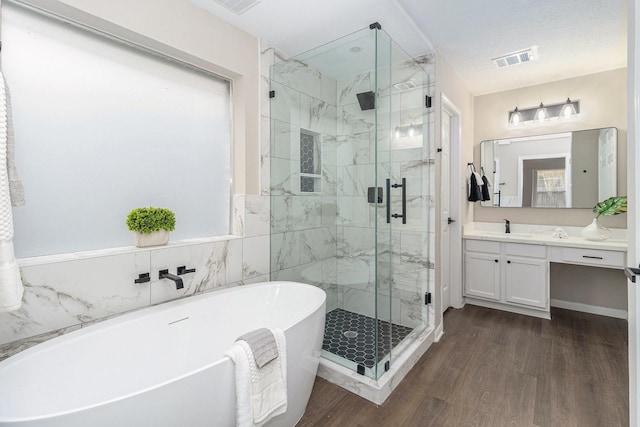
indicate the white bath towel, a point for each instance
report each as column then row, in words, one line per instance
column 261, row 393
column 16, row 189
column 11, row 288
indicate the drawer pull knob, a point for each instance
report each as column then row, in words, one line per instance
column 508, row 262
column 495, row 260
column 591, row 257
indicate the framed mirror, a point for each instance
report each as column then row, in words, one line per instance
column 561, row 170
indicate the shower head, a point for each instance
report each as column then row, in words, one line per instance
column 367, row 100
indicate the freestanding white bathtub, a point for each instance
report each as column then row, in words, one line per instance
column 163, row 365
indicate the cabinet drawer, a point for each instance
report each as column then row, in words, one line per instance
column 482, row 246
column 613, row 259
column 519, row 249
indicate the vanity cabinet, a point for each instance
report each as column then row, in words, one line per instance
column 482, row 270
column 526, row 281
column 507, row 274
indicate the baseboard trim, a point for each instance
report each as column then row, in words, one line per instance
column 439, row 332
column 587, row 308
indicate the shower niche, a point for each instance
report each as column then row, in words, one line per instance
column 310, row 162
column 348, row 117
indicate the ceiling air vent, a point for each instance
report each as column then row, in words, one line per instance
column 238, row 6
column 516, row 58
column 404, row 86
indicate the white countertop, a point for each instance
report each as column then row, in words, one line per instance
column 542, row 235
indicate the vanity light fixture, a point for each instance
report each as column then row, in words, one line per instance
column 544, row 113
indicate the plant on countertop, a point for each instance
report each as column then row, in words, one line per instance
column 612, row 206
column 148, row 220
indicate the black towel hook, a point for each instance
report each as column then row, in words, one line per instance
column 472, row 166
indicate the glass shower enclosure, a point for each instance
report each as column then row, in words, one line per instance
column 350, row 187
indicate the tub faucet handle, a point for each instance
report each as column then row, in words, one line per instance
column 184, row 270
column 142, row 278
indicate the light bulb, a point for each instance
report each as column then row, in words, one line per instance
column 568, row 110
column 397, row 132
column 516, row 118
column 541, row 113
column 412, row 131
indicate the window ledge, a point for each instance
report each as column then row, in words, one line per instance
column 74, row 256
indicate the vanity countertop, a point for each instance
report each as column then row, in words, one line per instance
column 542, row 235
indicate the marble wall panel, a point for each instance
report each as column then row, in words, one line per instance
column 265, row 153
column 257, row 216
column 255, row 257
column 285, row 106
column 352, row 120
column 297, row 75
column 238, row 215
column 348, row 89
column 62, row 294
column 353, row 211
column 317, row 244
column 285, row 176
column 317, row 115
column 285, row 252
column 217, row 264
column 285, row 140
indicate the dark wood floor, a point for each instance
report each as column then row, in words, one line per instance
column 494, row 368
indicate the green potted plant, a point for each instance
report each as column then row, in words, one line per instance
column 151, row 226
column 611, row 206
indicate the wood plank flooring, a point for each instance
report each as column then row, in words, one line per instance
column 494, row 368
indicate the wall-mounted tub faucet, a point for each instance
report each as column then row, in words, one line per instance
column 164, row 274
column 507, row 226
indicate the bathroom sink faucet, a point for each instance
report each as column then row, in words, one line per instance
column 164, row 274
column 507, row 226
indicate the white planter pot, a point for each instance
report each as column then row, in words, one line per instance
column 595, row 232
column 157, row 238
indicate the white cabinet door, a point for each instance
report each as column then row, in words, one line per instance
column 482, row 275
column 526, row 281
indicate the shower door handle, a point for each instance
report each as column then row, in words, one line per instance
column 388, row 201
column 404, row 201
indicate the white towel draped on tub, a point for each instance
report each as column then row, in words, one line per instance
column 10, row 283
column 261, row 393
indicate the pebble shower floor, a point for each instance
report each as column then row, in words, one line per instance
column 352, row 336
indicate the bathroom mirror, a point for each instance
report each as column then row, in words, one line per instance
column 562, row 170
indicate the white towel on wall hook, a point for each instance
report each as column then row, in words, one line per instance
column 11, row 288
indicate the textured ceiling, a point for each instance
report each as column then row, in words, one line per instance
column 574, row 37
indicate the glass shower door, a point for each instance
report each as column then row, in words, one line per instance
column 339, row 205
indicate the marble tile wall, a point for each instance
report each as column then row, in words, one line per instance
column 68, row 291
column 303, row 224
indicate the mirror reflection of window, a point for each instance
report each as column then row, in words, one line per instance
column 549, row 188
column 589, row 158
